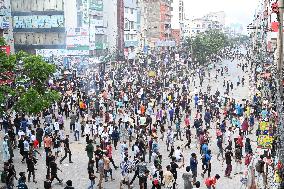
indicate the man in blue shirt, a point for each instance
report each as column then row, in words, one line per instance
column 206, row 161
column 207, row 118
column 193, row 166
column 196, row 101
column 171, row 113
column 204, row 149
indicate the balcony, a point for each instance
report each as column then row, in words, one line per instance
column 32, row 13
column 19, row 47
column 39, row 30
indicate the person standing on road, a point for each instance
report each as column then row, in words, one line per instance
column 174, row 167
column 101, row 171
column 31, row 161
column 193, row 162
column 168, row 178
column 39, row 135
column 228, row 160
column 90, row 150
column 187, row 178
column 91, row 173
column 47, row 144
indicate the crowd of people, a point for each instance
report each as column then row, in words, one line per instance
column 126, row 109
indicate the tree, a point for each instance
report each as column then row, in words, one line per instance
column 24, row 83
column 207, row 44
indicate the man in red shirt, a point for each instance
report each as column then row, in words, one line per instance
column 211, row 181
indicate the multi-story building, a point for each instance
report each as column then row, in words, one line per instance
column 216, row 17
column 38, row 24
column 131, row 23
column 97, row 28
column 186, row 28
column 6, row 25
column 110, row 17
column 157, row 22
column 200, row 25
column 120, row 29
column 177, row 21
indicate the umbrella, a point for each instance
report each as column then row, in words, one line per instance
column 152, row 74
column 67, row 72
column 265, row 75
column 259, row 69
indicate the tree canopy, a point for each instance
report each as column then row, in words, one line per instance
column 204, row 45
column 24, row 83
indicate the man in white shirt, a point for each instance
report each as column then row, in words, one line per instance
column 77, row 130
column 178, row 154
column 21, row 133
column 56, row 126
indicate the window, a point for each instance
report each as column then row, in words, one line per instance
column 126, row 25
column 132, row 37
column 127, row 36
column 131, row 25
column 131, row 11
column 80, row 19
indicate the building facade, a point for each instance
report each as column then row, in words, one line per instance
column 131, row 23
column 201, row 25
column 216, row 17
column 6, row 28
column 177, row 21
column 110, row 17
column 120, row 29
column 157, row 21
column 38, row 24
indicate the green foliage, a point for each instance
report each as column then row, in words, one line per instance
column 29, row 90
column 2, row 41
column 31, row 101
column 206, row 44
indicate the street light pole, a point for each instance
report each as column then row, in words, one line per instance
column 280, row 47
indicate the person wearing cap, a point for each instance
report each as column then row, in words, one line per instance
column 210, row 182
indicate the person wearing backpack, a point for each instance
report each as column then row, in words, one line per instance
column 259, row 167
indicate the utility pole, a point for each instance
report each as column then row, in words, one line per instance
column 280, row 47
